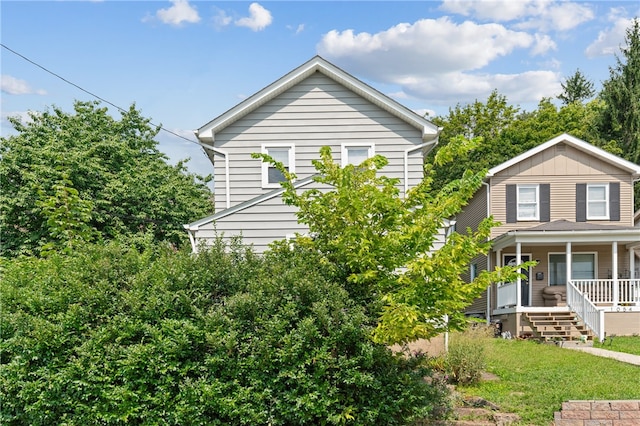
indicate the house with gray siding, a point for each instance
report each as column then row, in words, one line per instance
column 315, row 105
column 568, row 206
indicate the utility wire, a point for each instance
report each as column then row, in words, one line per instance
column 93, row 94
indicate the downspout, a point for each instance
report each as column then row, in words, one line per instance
column 225, row 154
column 226, row 171
column 406, row 158
column 488, row 315
column 192, row 239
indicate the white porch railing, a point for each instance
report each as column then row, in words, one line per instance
column 593, row 317
column 625, row 292
column 506, row 295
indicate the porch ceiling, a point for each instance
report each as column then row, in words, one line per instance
column 563, row 231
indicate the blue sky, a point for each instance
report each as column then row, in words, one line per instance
column 184, row 62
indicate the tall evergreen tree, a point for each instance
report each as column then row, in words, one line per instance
column 576, row 88
column 621, row 92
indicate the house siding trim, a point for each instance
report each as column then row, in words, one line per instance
column 207, row 132
column 628, row 166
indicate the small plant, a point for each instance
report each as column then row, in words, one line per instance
column 465, row 359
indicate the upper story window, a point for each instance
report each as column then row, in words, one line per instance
column 283, row 153
column 356, row 153
column 528, row 202
column 597, row 201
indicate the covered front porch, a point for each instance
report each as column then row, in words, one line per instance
column 588, row 271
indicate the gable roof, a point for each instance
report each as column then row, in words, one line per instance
column 628, row 166
column 207, row 132
column 194, row 226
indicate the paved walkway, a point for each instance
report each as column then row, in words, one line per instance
column 628, row 358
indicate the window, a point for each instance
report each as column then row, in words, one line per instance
column 528, row 202
column 271, row 177
column 598, row 201
column 473, row 271
column 583, row 267
column 356, row 153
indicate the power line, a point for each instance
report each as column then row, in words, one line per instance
column 93, row 94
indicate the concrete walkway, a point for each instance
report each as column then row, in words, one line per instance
column 620, row 356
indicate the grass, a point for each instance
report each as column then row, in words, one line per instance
column 534, row 378
column 626, row 344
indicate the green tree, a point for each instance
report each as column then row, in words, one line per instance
column 382, row 246
column 621, row 94
column 620, row 119
column 476, row 120
column 576, row 88
column 68, row 218
column 115, row 167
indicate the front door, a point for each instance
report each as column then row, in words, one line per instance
column 525, row 291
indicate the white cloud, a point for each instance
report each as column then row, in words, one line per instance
column 451, row 88
column 179, row 13
column 610, row 40
column 259, row 18
column 542, row 15
column 14, row 86
column 221, row 19
column 297, row 30
column 543, row 44
column 445, row 62
column 425, row 47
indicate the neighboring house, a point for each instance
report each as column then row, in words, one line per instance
column 315, row 105
column 569, row 206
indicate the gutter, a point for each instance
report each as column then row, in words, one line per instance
column 434, row 142
column 225, row 154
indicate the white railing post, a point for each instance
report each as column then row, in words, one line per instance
column 601, row 325
column 614, row 275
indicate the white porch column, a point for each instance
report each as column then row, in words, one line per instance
column 519, row 280
column 614, row 272
column 632, row 263
column 569, row 259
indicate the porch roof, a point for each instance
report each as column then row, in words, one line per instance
column 563, row 231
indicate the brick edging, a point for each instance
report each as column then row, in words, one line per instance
column 599, row 413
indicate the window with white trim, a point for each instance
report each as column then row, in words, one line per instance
column 583, row 266
column 597, row 201
column 356, row 153
column 528, row 199
column 283, row 153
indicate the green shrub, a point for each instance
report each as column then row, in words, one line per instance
column 133, row 334
column 465, row 359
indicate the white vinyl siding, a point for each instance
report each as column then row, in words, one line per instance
column 597, row 202
column 314, row 113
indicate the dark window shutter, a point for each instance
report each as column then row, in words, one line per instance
column 581, row 202
column 512, row 207
column 545, row 202
column 614, row 201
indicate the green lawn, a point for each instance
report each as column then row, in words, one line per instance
column 534, row 378
column 626, row 344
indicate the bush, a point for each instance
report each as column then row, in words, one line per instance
column 465, row 360
column 121, row 334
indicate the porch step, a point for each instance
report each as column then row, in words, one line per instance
column 549, row 326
